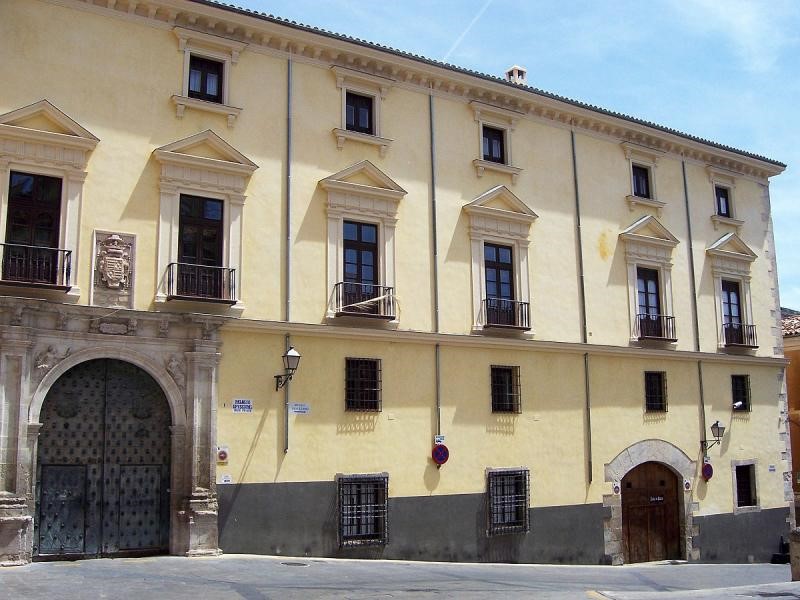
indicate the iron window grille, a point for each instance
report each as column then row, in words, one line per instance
column 205, row 79
column 363, row 509
column 506, row 394
column 509, row 498
column 746, row 485
column 363, row 384
column 740, row 391
column 655, row 391
column 494, row 142
column 641, row 181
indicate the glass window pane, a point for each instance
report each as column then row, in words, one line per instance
column 350, row 231
column 505, row 255
column 211, row 84
column 489, row 253
column 350, row 255
column 194, row 80
column 213, row 210
column 367, row 275
column 505, row 276
column 366, row 257
column 369, row 233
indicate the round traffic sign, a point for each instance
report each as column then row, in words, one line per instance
column 440, row 454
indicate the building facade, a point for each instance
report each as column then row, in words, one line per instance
column 790, row 324
column 554, row 301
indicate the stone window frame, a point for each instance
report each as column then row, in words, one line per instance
column 494, row 225
column 363, row 84
column 650, row 253
column 648, row 158
column 731, row 266
column 504, row 120
column 209, row 178
column 723, row 179
column 347, row 201
column 204, row 45
column 61, row 155
column 742, row 463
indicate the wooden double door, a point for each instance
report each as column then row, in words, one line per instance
column 103, row 474
column 650, row 514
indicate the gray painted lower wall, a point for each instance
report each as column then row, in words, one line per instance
column 299, row 519
column 746, row 537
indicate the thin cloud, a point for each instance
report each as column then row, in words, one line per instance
column 464, row 33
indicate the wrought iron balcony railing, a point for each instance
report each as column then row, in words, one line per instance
column 37, row 266
column 203, row 283
column 364, row 299
column 655, row 327
column 501, row 312
column 739, row 334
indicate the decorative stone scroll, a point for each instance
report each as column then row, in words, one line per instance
column 113, row 269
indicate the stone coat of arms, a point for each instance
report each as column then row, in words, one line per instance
column 114, row 262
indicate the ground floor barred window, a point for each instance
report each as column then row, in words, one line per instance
column 363, row 508
column 508, row 501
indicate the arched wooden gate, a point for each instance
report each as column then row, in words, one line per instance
column 103, row 468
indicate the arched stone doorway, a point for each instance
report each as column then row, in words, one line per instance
column 650, row 514
column 103, row 464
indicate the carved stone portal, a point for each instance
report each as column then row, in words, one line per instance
column 113, row 270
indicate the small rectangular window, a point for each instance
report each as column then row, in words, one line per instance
column 494, row 144
column 740, row 388
column 509, row 499
column 505, row 389
column 723, row 201
column 363, row 508
column 655, row 390
column 359, row 113
column 363, row 384
column 205, row 79
column 641, row 181
column 746, row 485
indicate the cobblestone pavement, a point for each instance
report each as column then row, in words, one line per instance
column 245, row 577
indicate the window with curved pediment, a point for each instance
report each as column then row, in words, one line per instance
column 362, row 215
column 499, row 232
column 43, row 157
column 648, row 254
column 203, row 180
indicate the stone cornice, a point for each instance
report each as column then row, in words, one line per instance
column 266, row 34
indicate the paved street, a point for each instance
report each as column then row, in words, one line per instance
column 241, row 577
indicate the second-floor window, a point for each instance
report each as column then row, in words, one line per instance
column 505, row 389
column 648, row 297
column 32, row 229
column 723, row 195
column 655, row 391
column 494, row 145
column 363, row 384
column 641, row 181
column 205, row 79
column 359, row 113
column 740, row 392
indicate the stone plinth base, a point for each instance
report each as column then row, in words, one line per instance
column 16, row 532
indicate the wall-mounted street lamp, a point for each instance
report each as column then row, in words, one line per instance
column 291, row 359
column 717, row 430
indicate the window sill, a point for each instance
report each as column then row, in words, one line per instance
column 738, row 510
column 634, row 201
column 183, row 102
column 373, row 140
column 486, row 165
column 228, row 307
column 720, row 220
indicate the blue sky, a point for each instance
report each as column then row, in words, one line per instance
column 726, row 70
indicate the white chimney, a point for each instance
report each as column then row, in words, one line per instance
column 517, row 74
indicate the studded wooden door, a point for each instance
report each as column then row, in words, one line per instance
column 103, row 464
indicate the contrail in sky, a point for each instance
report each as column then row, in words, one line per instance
column 466, row 31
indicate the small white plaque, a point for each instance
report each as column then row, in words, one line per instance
column 225, row 479
column 438, row 439
column 772, row 468
column 242, row 405
column 299, row 408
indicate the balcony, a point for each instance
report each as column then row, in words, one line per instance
column 364, row 300
column 35, row 266
column 509, row 314
column 655, row 327
column 739, row 334
column 201, row 283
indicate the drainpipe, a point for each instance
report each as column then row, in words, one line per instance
column 288, row 265
column 582, row 298
column 435, row 243
column 702, row 408
column 691, row 259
